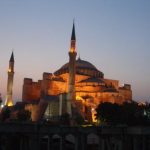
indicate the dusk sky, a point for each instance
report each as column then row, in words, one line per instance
column 114, row 35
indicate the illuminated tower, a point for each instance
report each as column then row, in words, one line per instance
column 72, row 72
column 9, row 101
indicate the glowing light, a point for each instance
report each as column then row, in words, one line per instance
column 78, row 98
column 2, row 106
column 72, row 50
column 87, row 125
column 9, row 70
column 9, row 103
column 93, row 109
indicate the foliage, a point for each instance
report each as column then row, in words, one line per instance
column 108, row 113
column 23, row 115
column 65, row 119
column 127, row 114
column 5, row 113
column 79, row 119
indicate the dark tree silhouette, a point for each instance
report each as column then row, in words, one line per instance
column 23, row 115
column 126, row 114
column 5, row 114
column 108, row 113
column 65, row 119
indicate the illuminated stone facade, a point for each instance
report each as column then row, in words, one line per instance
column 91, row 88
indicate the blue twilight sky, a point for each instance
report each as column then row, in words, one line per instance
column 114, row 35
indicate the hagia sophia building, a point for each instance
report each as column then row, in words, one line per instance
column 76, row 86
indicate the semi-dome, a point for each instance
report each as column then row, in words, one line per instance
column 82, row 67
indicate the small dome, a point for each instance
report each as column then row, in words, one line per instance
column 82, row 67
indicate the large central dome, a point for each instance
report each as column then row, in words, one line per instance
column 82, row 67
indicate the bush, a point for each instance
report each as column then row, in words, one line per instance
column 127, row 114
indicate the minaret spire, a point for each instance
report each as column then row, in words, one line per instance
column 72, row 72
column 73, row 36
column 73, row 40
column 12, row 57
column 9, row 101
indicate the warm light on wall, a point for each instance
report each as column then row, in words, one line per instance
column 93, row 111
column 53, row 76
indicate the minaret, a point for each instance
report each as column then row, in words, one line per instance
column 9, row 101
column 72, row 72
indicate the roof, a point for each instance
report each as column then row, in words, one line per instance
column 82, row 67
column 80, row 64
column 97, row 80
column 110, row 90
column 58, row 79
